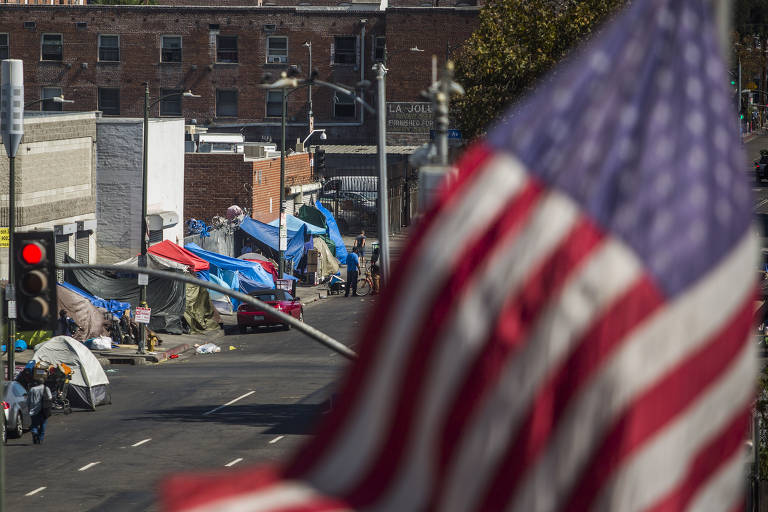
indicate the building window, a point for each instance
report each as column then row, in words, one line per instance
column 49, row 105
column 109, row 48
column 109, row 101
column 226, row 103
column 52, row 47
column 277, row 49
column 226, row 49
column 343, row 105
column 380, row 48
column 4, row 48
column 170, row 106
column 274, row 103
column 344, row 50
column 171, row 49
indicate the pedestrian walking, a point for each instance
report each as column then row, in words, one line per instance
column 375, row 270
column 39, row 400
column 360, row 245
column 353, row 267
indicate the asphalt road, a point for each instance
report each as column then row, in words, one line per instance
column 172, row 417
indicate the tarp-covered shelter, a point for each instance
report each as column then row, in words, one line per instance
column 225, row 265
column 200, row 314
column 166, row 297
column 92, row 321
column 312, row 215
column 295, row 224
column 88, row 386
column 333, row 233
column 329, row 264
column 266, row 239
column 269, row 265
column 115, row 307
column 172, row 251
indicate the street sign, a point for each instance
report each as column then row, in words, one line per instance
column 4, row 237
column 283, row 232
column 452, row 134
column 143, row 279
column 284, row 284
column 11, row 309
column 142, row 315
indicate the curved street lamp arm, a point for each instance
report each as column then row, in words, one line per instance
column 161, row 98
column 346, row 92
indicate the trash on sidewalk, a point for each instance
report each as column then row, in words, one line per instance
column 100, row 343
column 111, row 370
column 208, row 348
column 232, row 348
column 173, row 356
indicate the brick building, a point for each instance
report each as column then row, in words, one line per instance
column 215, row 181
column 101, row 55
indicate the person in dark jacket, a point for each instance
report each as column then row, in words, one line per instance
column 39, row 400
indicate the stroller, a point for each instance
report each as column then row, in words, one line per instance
column 58, row 382
column 336, row 285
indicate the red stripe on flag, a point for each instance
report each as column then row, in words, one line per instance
column 661, row 404
column 706, row 463
column 599, row 341
column 514, row 321
column 507, row 224
column 185, row 491
column 369, row 347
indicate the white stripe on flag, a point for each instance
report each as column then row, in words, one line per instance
column 651, row 350
column 725, row 490
column 511, row 261
column 608, row 273
column 280, row 496
column 652, row 469
column 357, row 440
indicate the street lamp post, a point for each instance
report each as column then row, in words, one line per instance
column 310, row 118
column 381, row 106
column 144, row 179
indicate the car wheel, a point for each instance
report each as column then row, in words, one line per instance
column 18, row 430
column 243, row 329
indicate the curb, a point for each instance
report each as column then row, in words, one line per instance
column 314, row 297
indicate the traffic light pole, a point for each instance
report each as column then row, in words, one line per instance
column 11, row 296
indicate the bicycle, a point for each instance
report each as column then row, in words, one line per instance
column 365, row 284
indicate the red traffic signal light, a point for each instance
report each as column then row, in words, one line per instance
column 32, row 253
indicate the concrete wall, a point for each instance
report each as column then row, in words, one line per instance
column 55, row 176
column 119, row 182
column 166, row 172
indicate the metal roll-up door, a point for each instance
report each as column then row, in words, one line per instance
column 82, row 247
column 155, row 236
column 62, row 248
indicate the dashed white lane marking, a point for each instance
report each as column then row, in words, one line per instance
column 228, row 403
column 142, row 442
column 276, row 439
column 88, row 466
column 32, row 493
column 230, row 464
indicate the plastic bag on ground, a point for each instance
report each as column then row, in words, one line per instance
column 208, row 348
column 101, row 343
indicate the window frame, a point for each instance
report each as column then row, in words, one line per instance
column 272, row 56
column 220, row 51
column 348, row 101
column 382, row 48
column 7, row 46
column 171, row 100
column 48, row 105
column 112, row 48
column 42, row 46
column 345, row 52
column 100, row 102
column 279, row 103
column 218, row 102
column 163, row 50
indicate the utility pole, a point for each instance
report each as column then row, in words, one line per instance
column 282, row 230
column 381, row 107
column 311, row 116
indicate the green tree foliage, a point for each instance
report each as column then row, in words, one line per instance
column 516, row 42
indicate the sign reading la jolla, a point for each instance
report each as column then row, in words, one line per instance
column 409, row 117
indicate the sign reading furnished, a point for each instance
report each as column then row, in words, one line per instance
column 409, row 116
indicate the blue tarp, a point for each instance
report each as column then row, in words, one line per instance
column 266, row 238
column 333, row 232
column 295, row 224
column 113, row 306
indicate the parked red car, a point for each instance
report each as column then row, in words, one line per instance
column 252, row 316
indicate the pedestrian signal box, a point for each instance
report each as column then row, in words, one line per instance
column 35, row 280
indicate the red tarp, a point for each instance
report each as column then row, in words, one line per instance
column 170, row 250
column 268, row 266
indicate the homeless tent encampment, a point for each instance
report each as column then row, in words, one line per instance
column 166, row 297
column 92, row 321
column 328, row 262
column 89, row 385
column 333, row 233
column 265, row 238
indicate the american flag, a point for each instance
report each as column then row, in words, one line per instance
column 568, row 327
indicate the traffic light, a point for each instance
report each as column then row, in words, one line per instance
column 320, row 159
column 35, row 280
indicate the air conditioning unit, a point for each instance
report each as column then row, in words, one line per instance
column 254, row 151
column 278, row 60
column 270, row 27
